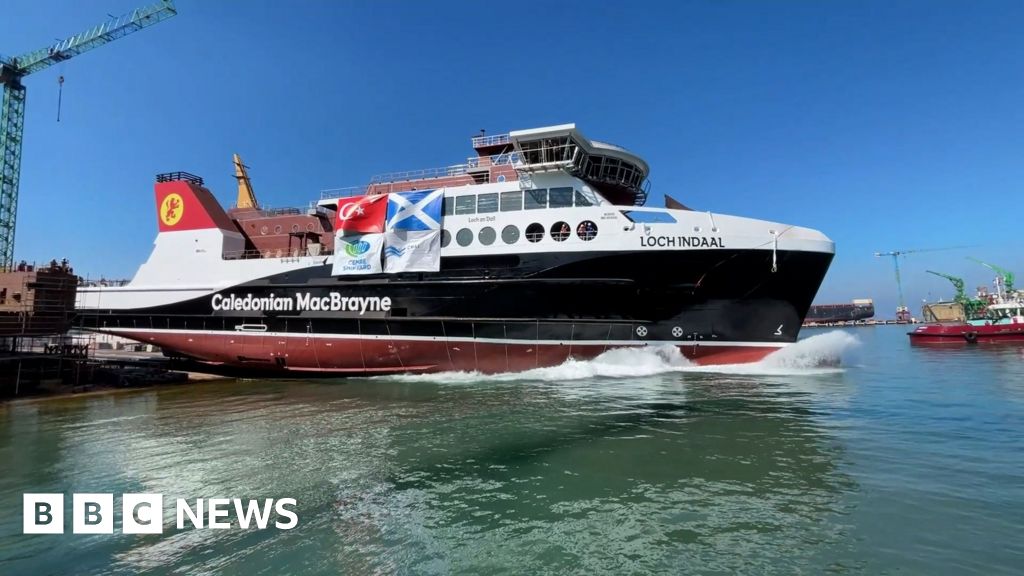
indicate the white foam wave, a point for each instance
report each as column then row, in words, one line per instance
column 819, row 354
column 616, row 363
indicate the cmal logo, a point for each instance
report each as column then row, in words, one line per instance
column 355, row 249
column 394, row 251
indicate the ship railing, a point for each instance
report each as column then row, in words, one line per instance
column 345, row 192
column 179, row 175
column 440, row 172
column 493, row 140
column 103, row 282
column 311, row 210
column 276, row 253
column 271, row 212
column 507, row 159
column 494, row 160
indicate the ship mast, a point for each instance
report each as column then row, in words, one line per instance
column 246, row 197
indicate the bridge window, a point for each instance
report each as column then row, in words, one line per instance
column 560, row 231
column 510, row 234
column 511, row 201
column 487, row 203
column 487, row 235
column 534, row 199
column 649, row 217
column 582, row 200
column 449, row 205
column 535, row 232
column 560, row 198
column 465, row 204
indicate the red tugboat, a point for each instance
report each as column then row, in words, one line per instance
column 1002, row 320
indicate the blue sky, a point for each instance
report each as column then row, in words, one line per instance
column 885, row 125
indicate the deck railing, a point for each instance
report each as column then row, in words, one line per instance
column 454, row 170
column 277, row 253
column 494, row 140
column 439, row 172
column 346, row 192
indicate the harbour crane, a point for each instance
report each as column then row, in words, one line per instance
column 1006, row 275
column 958, row 283
column 12, row 113
column 902, row 313
column 971, row 306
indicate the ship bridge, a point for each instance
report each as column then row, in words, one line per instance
column 618, row 174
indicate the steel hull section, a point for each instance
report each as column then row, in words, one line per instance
column 353, row 355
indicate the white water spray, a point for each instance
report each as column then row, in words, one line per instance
column 819, row 354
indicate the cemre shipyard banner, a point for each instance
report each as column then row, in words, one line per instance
column 359, row 237
column 357, row 254
column 413, row 236
column 402, row 227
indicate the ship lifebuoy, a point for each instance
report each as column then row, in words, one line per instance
column 971, row 337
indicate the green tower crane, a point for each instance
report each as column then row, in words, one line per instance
column 12, row 113
column 1006, row 275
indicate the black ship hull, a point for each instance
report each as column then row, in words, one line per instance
column 489, row 314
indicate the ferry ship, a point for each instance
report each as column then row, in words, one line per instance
column 536, row 250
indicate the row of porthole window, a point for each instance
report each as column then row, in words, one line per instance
column 560, row 232
column 277, row 229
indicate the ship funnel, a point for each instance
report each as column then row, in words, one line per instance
column 195, row 234
column 184, row 203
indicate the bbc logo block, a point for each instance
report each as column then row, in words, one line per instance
column 43, row 513
column 144, row 513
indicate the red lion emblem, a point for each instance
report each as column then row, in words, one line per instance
column 172, row 208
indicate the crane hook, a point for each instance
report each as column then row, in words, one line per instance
column 60, row 94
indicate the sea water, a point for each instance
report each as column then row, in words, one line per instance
column 850, row 452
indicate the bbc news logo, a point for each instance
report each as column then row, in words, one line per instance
column 144, row 513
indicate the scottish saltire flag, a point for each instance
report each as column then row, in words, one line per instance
column 412, row 251
column 357, row 253
column 417, row 210
column 412, row 239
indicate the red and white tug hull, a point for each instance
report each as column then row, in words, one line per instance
column 949, row 334
column 354, row 355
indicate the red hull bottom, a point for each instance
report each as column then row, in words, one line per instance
column 952, row 334
column 363, row 356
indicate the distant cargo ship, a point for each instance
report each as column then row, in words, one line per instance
column 858, row 309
